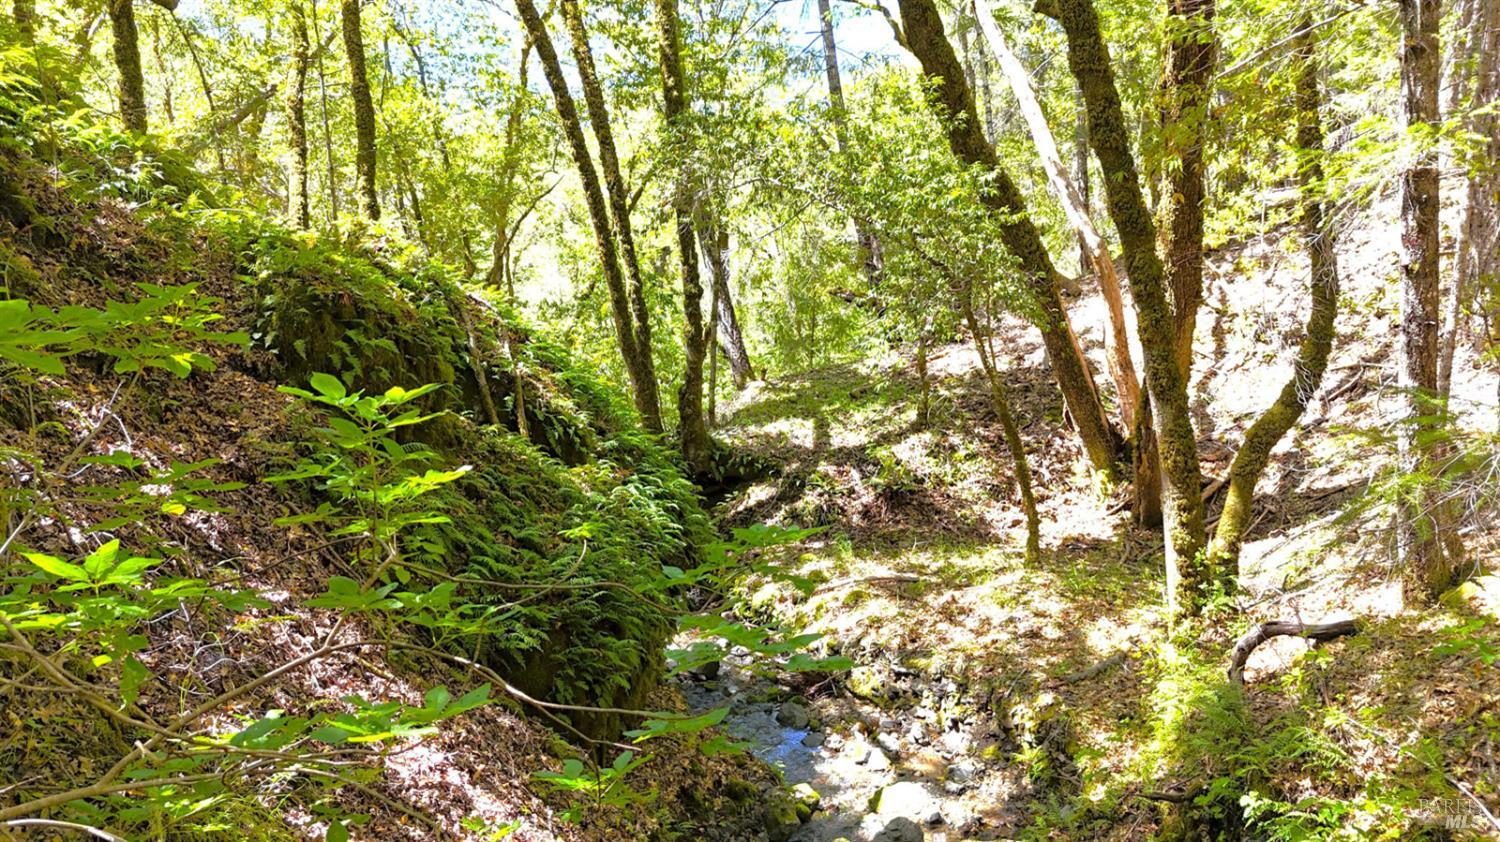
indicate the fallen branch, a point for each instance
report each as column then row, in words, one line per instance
column 1115, row 660
column 1277, row 628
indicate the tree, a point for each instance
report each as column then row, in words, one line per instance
column 1426, row 570
column 619, row 205
column 869, row 244
column 642, row 389
column 924, row 36
column 1117, row 343
column 296, row 119
column 1191, row 50
column 1478, row 257
column 24, row 13
column 364, row 109
column 693, row 432
column 1319, row 237
column 1089, row 61
column 127, row 52
column 713, row 238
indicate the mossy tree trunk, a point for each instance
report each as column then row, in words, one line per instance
column 604, row 241
column 127, row 52
column 1088, row 58
column 693, row 431
column 1191, row 51
column 924, row 37
column 24, row 12
column 619, row 205
column 1426, row 569
column 1318, row 235
column 364, row 110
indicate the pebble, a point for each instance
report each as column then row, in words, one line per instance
column 814, row 739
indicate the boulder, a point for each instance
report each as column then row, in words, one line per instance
column 900, row 829
column 793, row 714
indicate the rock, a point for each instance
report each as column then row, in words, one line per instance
column 955, row 787
column 890, row 742
column 961, row 772
column 779, row 816
column 907, row 799
column 814, row 739
column 867, row 683
column 807, row 796
column 878, row 760
column 900, row 829
column 793, row 714
column 705, row 672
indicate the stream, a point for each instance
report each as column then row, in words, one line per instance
column 909, row 770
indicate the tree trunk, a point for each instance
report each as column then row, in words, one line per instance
column 132, row 86
column 1478, row 268
column 714, row 238
column 1088, row 58
column 24, row 12
column 713, row 357
column 333, row 182
column 1000, row 401
column 619, row 205
column 924, row 36
column 692, row 429
column 1191, row 49
column 870, row 260
column 641, row 388
column 1312, row 356
column 510, row 161
column 364, row 110
column 1117, row 343
column 1426, row 570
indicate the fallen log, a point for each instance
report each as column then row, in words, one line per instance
column 1278, row 628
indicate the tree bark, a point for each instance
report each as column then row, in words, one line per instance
column 1088, row 58
column 1000, row 401
column 870, row 260
column 333, row 181
column 619, row 205
column 296, row 120
column 364, row 110
column 924, row 36
column 1117, row 343
column 1426, row 570
column 1319, row 235
column 24, row 12
column 1191, row 50
column 1478, row 268
column 132, row 86
column 714, row 239
column 604, row 241
column 693, row 432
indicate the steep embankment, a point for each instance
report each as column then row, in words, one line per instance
column 1052, row 701
column 140, row 403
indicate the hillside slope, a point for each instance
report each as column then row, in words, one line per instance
column 308, row 554
column 1054, row 701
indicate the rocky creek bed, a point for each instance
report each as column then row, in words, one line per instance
column 885, row 754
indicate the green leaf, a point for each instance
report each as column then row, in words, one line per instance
column 57, row 567
column 328, row 385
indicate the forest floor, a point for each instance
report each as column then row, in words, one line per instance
column 1010, row 700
